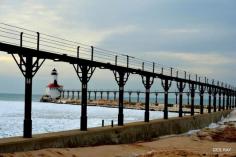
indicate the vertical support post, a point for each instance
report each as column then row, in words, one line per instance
column 101, row 92
column 223, row 100
column 214, row 101
column 192, row 88
column 188, row 95
column 63, row 94
column 234, row 99
column 28, row 98
column 84, row 81
column 138, row 93
column 209, row 99
column 166, row 101
column 108, row 95
column 147, row 82
column 156, row 97
column 201, row 99
column 166, row 85
column 219, row 108
column 227, row 99
column 38, row 36
column 147, row 98
column 121, row 100
column 89, row 95
column 181, row 87
column 78, row 92
column 230, row 100
column 92, row 49
column 114, row 95
column 68, row 94
column 73, row 94
column 130, row 97
column 176, row 98
column 29, row 68
column 95, row 95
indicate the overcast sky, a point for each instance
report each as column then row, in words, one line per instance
column 193, row 35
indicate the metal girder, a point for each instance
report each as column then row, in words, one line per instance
column 29, row 68
column 209, row 90
column 166, row 84
column 147, row 82
column 215, row 91
column 202, row 90
column 192, row 88
column 84, row 73
column 121, row 78
column 181, row 86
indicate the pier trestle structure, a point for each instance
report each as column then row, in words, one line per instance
column 84, row 72
column 121, row 79
column 202, row 90
column 181, row 85
column 192, row 88
column 29, row 60
column 215, row 91
column 147, row 82
column 166, row 84
column 29, row 66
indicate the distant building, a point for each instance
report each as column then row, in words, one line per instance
column 53, row 89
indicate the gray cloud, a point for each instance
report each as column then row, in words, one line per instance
column 191, row 28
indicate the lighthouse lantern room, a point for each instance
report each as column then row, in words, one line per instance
column 53, row 89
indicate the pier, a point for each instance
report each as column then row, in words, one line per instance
column 111, row 94
column 30, row 49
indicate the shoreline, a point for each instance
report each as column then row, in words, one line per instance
column 219, row 141
column 127, row 105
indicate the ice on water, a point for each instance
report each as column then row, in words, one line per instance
column 48, row 117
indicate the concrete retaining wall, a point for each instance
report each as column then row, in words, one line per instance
column 132, row 132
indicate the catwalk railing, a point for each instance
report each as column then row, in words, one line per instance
column 112, row 95
column 30, row 49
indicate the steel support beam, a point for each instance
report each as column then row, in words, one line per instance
column 156, row 100
column 130, row 96
column 101, row 95
column 121, row 79
column 28, row 98
column 209, row 89
column 181, row 86
column 230, row 100
column 202, row 89
column 29, row 67
column 114, row 95
column 83, row 118
column 234, row 99
column 220, row 99
column 223, row 92
column 214, row 93
column 166, row 85
column 84, row 72
column 188, row 95
column 147, row 82
column 95, row 95
column 138, row 94
column 192, row 88
column 227, row 100
column 108, row 93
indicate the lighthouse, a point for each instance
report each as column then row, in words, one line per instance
column 53, row 89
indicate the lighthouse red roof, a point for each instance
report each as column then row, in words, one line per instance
column 52, row 85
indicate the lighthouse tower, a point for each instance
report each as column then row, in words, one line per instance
column 53, row 89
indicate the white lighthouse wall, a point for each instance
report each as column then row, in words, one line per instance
column 53, row 92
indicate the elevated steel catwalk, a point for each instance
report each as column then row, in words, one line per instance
column 30, row 49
